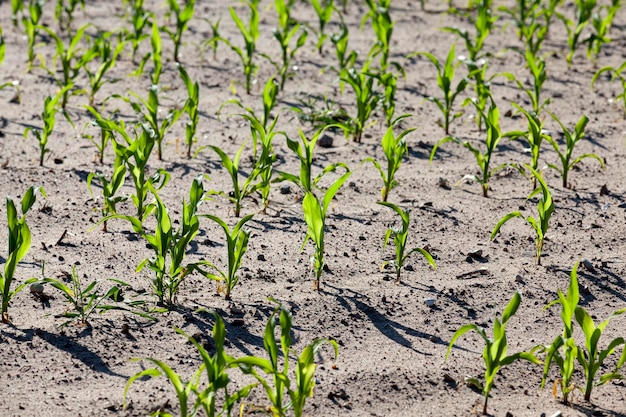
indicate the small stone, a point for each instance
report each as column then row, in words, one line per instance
column 430, row 301
column 409, row 267
column 589, row 266
column 58, row 161
column 238, row 322
column 285, row 189
column 443, row 183
column 261, row 257
column 36, row 288
column 557, row 414
column 236, row 311
column 326, row 141
column 519, row 279
column 476, row 253
column 604, row 190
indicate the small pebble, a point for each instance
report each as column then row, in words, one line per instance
column 326, row 141
column 285, row 189
column 36, row 288
column 430, row 301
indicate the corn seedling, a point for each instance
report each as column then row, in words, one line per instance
column 149, row 111
column 169, row 243
column 236, row 244
column 240, row 191
column 571, row 139
column 584, row 12
column 315, row 219
column 138, row 19
column 102, row 143
column 590, row 357
column 71, row 61
column 48, row 116
column 345, row 59
column 107, row 53
column 545, row 208
column 87, row 300
column 136, row 153
column 250, row 36
column 3, row 47
column 324, row 11
column 286, row 31
column 191, row 108
column 207, row 392
column 264, row 164
column 183, row 15
column 155, row 55
column 616, row 74
column 563, row 350
column 383, row 28
column 64, row 13
column 483, row 158
column 17, row 7
column 495, row 352
column 31, row 27
column 400, row 237
column 278, row 382
column 476, row 61
column 394, row 148
column 524, row 12
column 534, row 136
column 110, row 188
column 445, row 77
column 537, row 68
column 304, row 150
column 19, row 243
column 601, row 25
column 367, row 98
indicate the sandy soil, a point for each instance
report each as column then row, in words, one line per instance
column 392, row 345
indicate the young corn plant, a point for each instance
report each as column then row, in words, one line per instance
column 571, row 140
column 400, row 237
column 207, row 392
column 495, row 352
column 565, row 353
column 315, row 219
column 102, row 142
column 445, row 77
column 183, row 15
column 345, row 59
column 110, row 188
column 107, row 53
column 616, row 74
column 383, row 28
column 86, row 300
column 537, row 68
column 304, row 150
column 139, row 18
column 149, row 111
column 394, row 148
column 563, row 350
column 584, row 13
column 324, row 11
column 601, row 25
column 240, row 191
column 522, row 14
column 250, row 36
column 136, row 154
column 17, row 7
column 483, row 158
column 367, row 98
column 286, row 31
column 545, row 208
column 156, row 54
column 236, row 244
column 48, row 116
column 170, row 244
column 31, row 27
column 278, row 381
column 214, row 41
column 534, row 137
column 476, row 60
column 71, row 60
column 64, row 13
column 19, row 243
column 191, row 108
